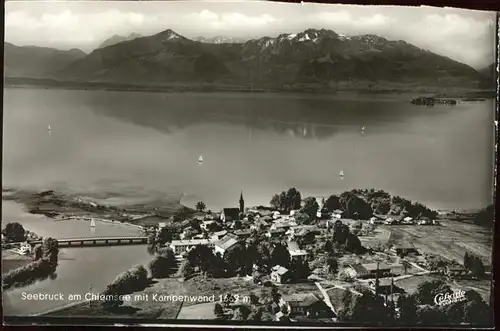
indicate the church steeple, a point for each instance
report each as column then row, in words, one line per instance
column 242, row 203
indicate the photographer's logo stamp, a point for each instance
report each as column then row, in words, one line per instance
column 443, row 299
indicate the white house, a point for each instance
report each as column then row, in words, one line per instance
column 295, row 252
column 337, row 213
column 182, row 246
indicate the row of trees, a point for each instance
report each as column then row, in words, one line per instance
column 135, row 279
column 44, row 266
column 163, row 264
column 356, row 204
column 415, row 309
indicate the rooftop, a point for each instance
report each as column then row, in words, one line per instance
column 373, row 266
column 301, row 299
column 226, row 243
column 280, row 270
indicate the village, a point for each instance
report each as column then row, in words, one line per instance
column 315, row 259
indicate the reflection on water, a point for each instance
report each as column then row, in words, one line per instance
column 133, row 146
column 78, row 267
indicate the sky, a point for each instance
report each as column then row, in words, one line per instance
column 463, row 35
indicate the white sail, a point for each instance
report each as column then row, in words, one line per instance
column 341, row 174
column 363, row 129
column 92, row 223
column 49, row 128
column 200, row 159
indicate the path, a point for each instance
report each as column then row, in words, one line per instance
column 326, row 298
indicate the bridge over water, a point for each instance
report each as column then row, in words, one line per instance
column 97, row 241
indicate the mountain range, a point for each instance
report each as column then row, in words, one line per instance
column 34, row 62
column 318, row 58
column 118, row 39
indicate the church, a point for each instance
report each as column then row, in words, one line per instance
column 233, row 214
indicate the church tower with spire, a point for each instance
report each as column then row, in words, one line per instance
column 242, row 203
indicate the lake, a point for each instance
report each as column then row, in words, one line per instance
column 134, row 146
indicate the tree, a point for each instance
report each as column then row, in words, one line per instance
column 254, row 299
column 407, row 305
column 340, row 232
column 257, row 314
column 186, row 269
column 245, row 311
column 293, row 198
column 165, row 235
column 218, row 310
column 406, row 265
column 275, row 201
column 280, row 256
column 300, row 269
column 163, row 264
column 353, row 244
column 37, row 252
column 486, row 217
column 50, row 248
column 14, row 232
column 476, row 311
column 477, row 267
column 287, row 201
column 332, row 203
column 369, row 308
column 200, row 206
column 235, row 258
column 347, row 302
column 310, row 207
column 237, row 225
column 264, row 256
column 332, row 264
column 328, row 247
column 427, row 291
column 275, row 295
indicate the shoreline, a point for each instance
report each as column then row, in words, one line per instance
column 47, row 83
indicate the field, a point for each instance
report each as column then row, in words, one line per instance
column 410, row 284
column 136, row 308
column 450, row 240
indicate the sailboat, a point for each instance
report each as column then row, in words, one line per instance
column 49, row 128
column 200, row 159
column 363, row 129
column 92, row 223
column 341, row 174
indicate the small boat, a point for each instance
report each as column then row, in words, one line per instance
column 363, row 129
column 200, row 159
column 49, row 128
column 341, row 174
column 92, row 223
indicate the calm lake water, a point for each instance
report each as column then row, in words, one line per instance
column 127, row 147
column 133, row 146
column 80, row 270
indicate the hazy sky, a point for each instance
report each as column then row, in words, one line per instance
column 464, row 35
